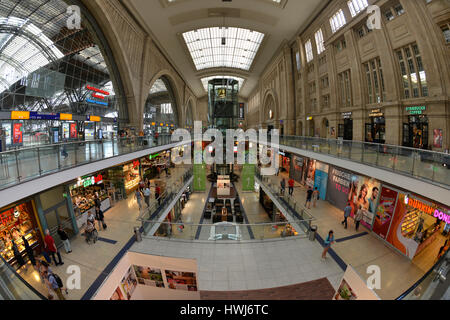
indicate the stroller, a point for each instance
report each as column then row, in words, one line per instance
column 90, row 232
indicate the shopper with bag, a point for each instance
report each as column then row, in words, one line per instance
column 65, row 239
column 99, row 216
column 56, row 284
column 328, row 242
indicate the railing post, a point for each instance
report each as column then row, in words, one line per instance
column 59, row 157
column 17, row 165
column 39, row 161
column 89, row 152
column 112, row 142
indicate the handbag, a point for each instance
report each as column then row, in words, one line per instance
column 104, row 225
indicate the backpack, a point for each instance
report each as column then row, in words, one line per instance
column 58, row 280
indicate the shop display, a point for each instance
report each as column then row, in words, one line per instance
column 129, row 283
column 83, row 194
column 132, row 176
column 16, row 222
column 353, row 287
column 149, row 276
column 296, row 171
column 414, row 225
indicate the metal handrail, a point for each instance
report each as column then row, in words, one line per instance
column 366, row 143
column 32, row 289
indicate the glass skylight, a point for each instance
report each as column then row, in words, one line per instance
column 207, row 79
column 19, row 56
column 158, row 87
column 356, row 6
column 208, row 50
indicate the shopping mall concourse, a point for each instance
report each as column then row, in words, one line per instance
column 224, row 150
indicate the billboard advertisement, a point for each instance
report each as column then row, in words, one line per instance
column 296, row 171
column 73, row 131
column 385, row 212
column 362, row 192
column 17, row 134
column 310, row 173
column 321, row 179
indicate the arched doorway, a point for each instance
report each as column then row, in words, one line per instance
column 299, row 128
column 311, row 128
column 189, row 116
column 324, row 128
column 161, row 108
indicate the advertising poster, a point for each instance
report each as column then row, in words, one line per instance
column 310, row 173
column 248, row 177
column 129, row 283
column 65, row 129
column 437, row 138
column 73, row 131
column 7, row 132
column 364, row 195
column 362, row 192
column 353, row 287
column 149, row 276
column 338, row 187
column 117, row 295
column 321, row 179
column 385, row 212
column 18, row 134
column 177, row 280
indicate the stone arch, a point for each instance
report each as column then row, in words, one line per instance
column 310, row 130
column 189, row 113
column 270, row 104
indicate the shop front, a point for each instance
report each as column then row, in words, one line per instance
column 83, row 193
column 345, row 129
column 131, row 176
column 152, row 165
column 417, row 227
column 376, row 129
column 362, row 192
column 296, row 171
column 309, row 173
column 285, row 161
column 415, row 131
column 17, row 221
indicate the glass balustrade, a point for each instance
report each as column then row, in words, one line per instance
column 28, row 163
column 427, row 165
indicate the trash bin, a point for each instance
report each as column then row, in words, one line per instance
column 138, row 234
column 312, row 233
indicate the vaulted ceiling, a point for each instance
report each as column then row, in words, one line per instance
column 170, row 23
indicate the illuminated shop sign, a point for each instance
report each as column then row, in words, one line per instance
column 89, row 181
column 20, row 115
column 44, row 116
column 416, row 110
column 135, row 164
column 153, row 156
column 309, row 118
column 419, row 205
column 376, row 113
column 346, row 115
column 97, row 102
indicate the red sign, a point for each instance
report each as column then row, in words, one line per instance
column 385, row 212
column 98, row 179
column 136, row 164
column 17, row 133
column 73, row 131
column 106, row 93
column 94, row 95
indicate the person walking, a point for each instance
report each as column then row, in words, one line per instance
column 158, row 194
column 328, row 242
column 51, row 247
column 291, row 186
column 309, row 195
column 283, row 186
column 358, row 217
column 55, row 284
column 29, row 251
column 347, row 212
column 100, row 218
column 315, row 196
column 65, row 239
column 17, row 255
column 147, row 196
column 138, row 197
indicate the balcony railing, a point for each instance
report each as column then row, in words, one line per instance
column 423, row 164
column 25, row 164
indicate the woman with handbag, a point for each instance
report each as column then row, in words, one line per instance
column 328, row 242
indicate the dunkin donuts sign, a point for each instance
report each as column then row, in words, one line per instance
column 427, row 209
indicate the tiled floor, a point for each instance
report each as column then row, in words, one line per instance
column 92, row 259
column 245, row 265
column 320, row 289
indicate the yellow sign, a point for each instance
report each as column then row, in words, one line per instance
column 161, row 124
column 95, row 118
column 20, row 115
column 153, row 123
column 222, row 93
column 65, row 117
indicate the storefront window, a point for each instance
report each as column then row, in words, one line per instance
column 16, row 222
